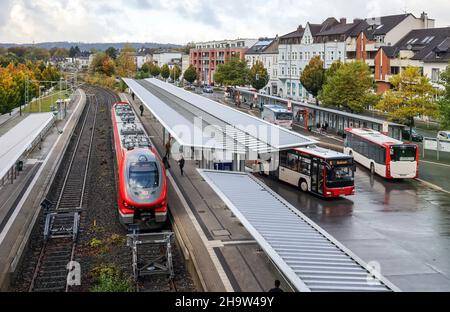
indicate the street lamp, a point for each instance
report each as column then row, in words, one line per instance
column 40, row 98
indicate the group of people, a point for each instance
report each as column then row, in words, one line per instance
column 166, row 157
column 322, row 128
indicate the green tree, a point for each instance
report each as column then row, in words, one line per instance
column 154, row 70
column 312, row 76
column 111, row 52
column 444, row 101
column 74, row 51
column 175, row 72
column 349, row 88
column 102, row 64
column 165, row 71
column 146, row 67
column 412, row 95
column 234, row 73
column 190, row 74
column 8, row 58
column 258, row 76
column 331, row 71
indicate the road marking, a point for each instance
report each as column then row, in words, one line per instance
column 36, row 177
column 433, row 185
column 434, row 163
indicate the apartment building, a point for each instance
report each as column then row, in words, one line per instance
column 266, row 51
column 428, row 49
column 373, row 33
column 169, row 58
column 206, row 56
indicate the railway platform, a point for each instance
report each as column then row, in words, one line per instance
column 20, row 201
column 219, row 248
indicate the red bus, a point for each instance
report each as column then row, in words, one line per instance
column 383, row 155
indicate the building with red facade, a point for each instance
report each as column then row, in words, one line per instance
column 206, row 56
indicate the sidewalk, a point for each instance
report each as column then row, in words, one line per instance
column 227, row 256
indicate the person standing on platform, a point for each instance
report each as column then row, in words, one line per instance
column 141, row 108
column 277, row 287
column 181, row 164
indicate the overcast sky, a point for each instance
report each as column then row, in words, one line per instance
column 180, row 21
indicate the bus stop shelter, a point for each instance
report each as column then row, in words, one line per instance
column 311, row 115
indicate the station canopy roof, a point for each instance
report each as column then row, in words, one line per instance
column 196, row 121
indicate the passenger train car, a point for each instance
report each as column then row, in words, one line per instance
column 142, row 181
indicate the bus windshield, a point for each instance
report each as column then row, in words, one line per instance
column 284, row 116
column 403, row 153
column 144, row 175
column 340, row 175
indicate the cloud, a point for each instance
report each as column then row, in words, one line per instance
column 180, row 21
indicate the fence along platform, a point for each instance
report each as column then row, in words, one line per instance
column 309, row 258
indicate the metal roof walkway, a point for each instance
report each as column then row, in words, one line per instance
column 310, row 258
column 196, row 121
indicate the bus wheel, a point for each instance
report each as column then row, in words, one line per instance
column 303, row 185
column 372, row 168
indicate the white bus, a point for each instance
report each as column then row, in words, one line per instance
column 314, row 169
column 278, row 115
column 383, row 155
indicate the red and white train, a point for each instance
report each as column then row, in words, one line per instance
column 142, row 181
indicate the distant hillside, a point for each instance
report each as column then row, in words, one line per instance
column 97, row 46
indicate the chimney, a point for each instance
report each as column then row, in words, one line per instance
column 357, row 20
column 424, row 17
column 343, row 20
column 299, row 27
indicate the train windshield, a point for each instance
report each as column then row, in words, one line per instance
column 144, row 175
column 403, row 152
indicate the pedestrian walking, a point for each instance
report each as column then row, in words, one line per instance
column 141, row 108
column 181, row 164
column 277, row 287
column 168, row 147
column 166, row 162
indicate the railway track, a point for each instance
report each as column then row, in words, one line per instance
column 62, row 217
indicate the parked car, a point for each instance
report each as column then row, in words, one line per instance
column 415, row 137
column 208, row 89
column 189, row 88
column 443, row 135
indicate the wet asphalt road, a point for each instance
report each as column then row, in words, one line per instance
column 402, row 225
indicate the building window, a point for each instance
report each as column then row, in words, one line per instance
column 288, row 88
column 282, row 56
column 435, row 74
column 282, row 70
column 293, row 88
column 300, row 56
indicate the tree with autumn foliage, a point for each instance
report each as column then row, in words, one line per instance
column 102, row 64
column 126, row 64
column 312, row 76
column 411, row 95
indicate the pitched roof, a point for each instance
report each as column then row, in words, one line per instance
column 384, row 24
column 296, row 33
column 428, row 45
column 340, row 29
column 260, row 46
